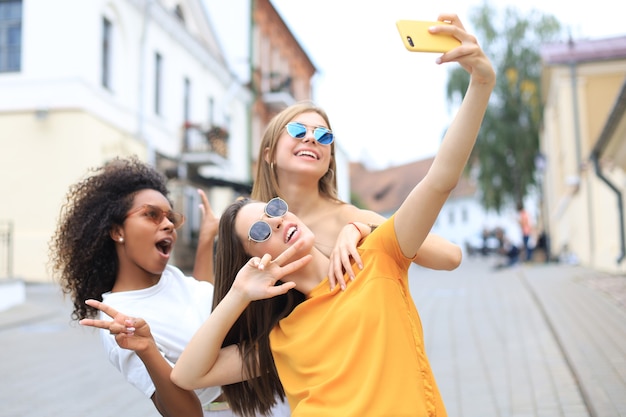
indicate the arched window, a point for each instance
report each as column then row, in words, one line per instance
column 178, row 11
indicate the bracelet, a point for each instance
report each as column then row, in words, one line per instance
column 370, row 225
column 357, row 227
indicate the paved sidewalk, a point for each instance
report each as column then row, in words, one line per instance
column 591, row 332
column 526, row 341
column 53, row 368
column 533, row 340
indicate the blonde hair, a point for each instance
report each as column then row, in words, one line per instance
column 266, row 186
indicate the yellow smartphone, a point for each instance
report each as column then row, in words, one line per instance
column 416, row 37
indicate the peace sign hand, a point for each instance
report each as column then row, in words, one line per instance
column 257, row 279
column 130, row 333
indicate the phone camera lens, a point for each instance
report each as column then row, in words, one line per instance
column 409, row 40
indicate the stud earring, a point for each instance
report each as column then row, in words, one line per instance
column 121, row 239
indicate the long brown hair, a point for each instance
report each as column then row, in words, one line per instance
column 251, row 330
column 265, row 185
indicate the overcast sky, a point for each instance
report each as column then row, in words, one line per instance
column 387, row 105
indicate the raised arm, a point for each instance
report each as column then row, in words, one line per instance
column 203, row 264
column 435, row 252
column 204, row 362
column 438, row 253
column 418, row 212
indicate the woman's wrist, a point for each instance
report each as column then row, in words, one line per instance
column 149, row 352
column 363, row 228
column 238, row 296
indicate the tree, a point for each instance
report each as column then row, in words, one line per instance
column 509, row 139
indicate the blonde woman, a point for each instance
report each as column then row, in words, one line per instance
column 356, row 352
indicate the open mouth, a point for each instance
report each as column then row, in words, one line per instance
column 290, row 233
column 164, row 246
column 308, row 154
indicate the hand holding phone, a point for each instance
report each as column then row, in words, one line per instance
column 416, row 37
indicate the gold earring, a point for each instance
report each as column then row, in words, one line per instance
column 271, row 166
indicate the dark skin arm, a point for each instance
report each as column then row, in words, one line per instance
column 134, row 334
column 203, row 265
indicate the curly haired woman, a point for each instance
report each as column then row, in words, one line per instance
column 113, row 243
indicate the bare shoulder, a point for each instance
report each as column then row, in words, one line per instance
column 351, row 213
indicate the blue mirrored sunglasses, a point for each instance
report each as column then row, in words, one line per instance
column 261, row 230
column 321, row 134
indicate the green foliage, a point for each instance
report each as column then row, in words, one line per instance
column 509, row 138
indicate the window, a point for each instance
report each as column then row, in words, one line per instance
column 186, row 98
column 186, row 109
column 211, row 111
column 178, row 11
column 10, row 35
column 451, row 217
column 158, row 63
column 106, row 53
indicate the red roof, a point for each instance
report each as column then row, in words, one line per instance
column 584, row 50
column 383, row 191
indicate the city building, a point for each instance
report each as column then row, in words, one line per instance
column 151, row 78
column 265, row 53
column 584, row 151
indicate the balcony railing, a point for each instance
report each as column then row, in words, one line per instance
column 199, row 139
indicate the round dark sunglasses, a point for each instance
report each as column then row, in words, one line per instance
column 261, row 230
column 322, row 135
column 156, row 214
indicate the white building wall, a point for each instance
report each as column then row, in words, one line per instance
column 57, row 120
column 231, row 20
column 343, row 173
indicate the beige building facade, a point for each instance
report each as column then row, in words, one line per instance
column 112, row 78
column 129, row 77
column 583, row 142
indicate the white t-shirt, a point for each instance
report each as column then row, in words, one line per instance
column 174, row 309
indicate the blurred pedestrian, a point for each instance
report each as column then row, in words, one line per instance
column 506, row 248
column 526, row 226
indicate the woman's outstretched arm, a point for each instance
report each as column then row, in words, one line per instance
column 435, row 252
column 203, row 264
column 417, row 214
